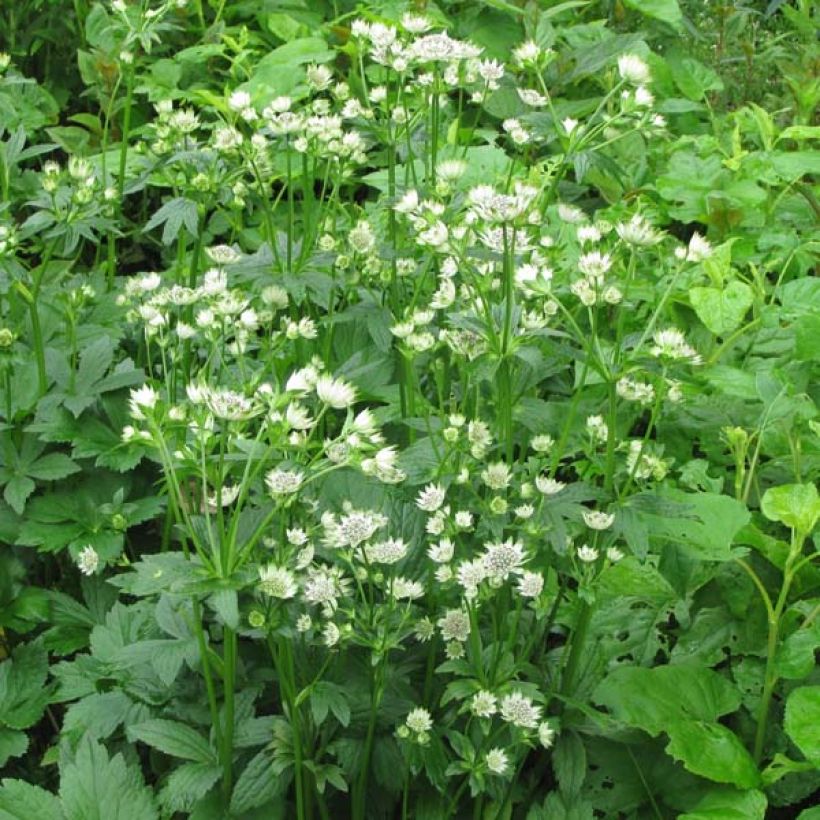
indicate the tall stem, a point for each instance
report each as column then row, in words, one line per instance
column 229, row 662
column 578, row 641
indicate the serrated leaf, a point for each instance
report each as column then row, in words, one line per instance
column 17, row 491
column 24, row 801
column 52, row 467
column 96, row 787
column 13, row 743
column 173, row 215
column 257, row 784
column 187, row 784
column 98, row 715
column 173, row 738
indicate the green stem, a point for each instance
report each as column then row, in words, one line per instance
column 229, row 662
column 577, row 644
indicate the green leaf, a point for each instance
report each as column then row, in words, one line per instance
column 24, row 801
column 257, row 784
column 667, row 11
column 172, row 738
column 13, row 743
column 728, row 804
column 712, row 751
column 173, row 214
column 569, row 761
column 722, row 311
column 52, row 467
column 795, row 505
column 98, row 715
column 17, row 491
column 802, row 721
column 187, row 784
column 94, row 787
column 23, row 694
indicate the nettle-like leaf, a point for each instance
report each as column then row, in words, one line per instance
column 172, row 216
column 78, row 390
column 94, row 786
column 23, row 465
column 25, row 801
column 23, row 696
column 94, row 513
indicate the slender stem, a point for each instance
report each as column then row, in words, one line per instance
column 577, row 643
column 229, row 661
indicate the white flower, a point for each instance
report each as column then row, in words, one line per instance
column 431, row 498
column 442, row 552
column 532, row 97
column 497, row 476
column 614, row 554
column 497, row 761
column 484, row 704
column 587, row 554
column 419, row 721
column 88, row 560
column 390, row 551
column 239, row 100
column 470, row 575
column 530, row 585
column 569, row 124
column 277, row 582
column 283, row 482
column 303, row 623
column 424, row 630
column 323, row 586
column 519, row 710
column 546, row 734
column 598, row 520
column 671, row 344
column 633, row 69
column 527, row 52
column 699, row 248
column 335, row 392
column 548, row 486
column 330, row 634
column 143, row 398
column 503, row 559
column 454, row 625
column 597, row 428
column 403, row 589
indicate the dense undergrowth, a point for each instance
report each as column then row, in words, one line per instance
column 409, row 410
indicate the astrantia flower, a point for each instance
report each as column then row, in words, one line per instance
column 527, row 52
column 484, row 704
column 278, row 582
column 614, row 554
column 587, row 554
column 442, row 552
column 335, row 392
column 386, row 552
column 598, row 520
column 88, row 560
column 638, row 232
column 548, row 486
column 633, row 69
column 419, row 721
column 353, row 528
column 503, row 559
column 699, row 248
column 424, row 630
column 430, row 498
column 403, row 589
column 546, row 734
column 330, row 634
column 497, row 761
column 530, row 585
column 597, row 428
column 283, row 482
column 324, row 585
column 142, row 399
column 519, row 710
column 671, row 344
column 229, row 405
column 454, row 650
column 470, row 574
column 454, row 625
column 532, row 97
column 497, row 476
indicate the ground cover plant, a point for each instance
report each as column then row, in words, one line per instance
column 409, row 410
